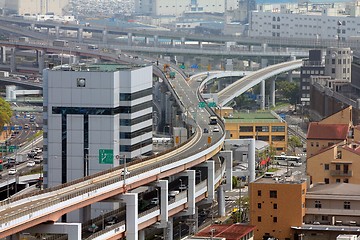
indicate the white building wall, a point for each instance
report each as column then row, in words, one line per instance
column 36, row 6
column 269, row 24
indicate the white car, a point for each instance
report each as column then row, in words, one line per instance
column 12, row 171
column 30, row 164
column 216, row 129
column 125, row 172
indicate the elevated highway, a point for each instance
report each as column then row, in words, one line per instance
column 174, row 35
column 249, row 81
column 51, row 204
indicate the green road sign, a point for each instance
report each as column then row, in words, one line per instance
column 11, row 148
column 182, row 66
column 106, row 156
column 202, row 104
column 212, row 104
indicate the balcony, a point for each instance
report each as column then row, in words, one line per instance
column 339, row 173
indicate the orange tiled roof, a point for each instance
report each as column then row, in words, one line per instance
column 327, row 131
column 230, row 232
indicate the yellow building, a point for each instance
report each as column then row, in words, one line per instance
column 259, row 125
column 276, row 206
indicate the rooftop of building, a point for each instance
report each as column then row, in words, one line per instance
column 252, row 117
column 273, row 178
column 227, row 231
column 83, row 67
column 341, row 189
column 323, row 131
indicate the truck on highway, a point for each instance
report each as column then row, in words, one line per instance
column 20, row 158
column 60, row 43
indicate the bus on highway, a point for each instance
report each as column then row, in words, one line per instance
column 213, row 120
column 285, row 160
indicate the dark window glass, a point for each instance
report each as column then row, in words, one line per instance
column 273, row 194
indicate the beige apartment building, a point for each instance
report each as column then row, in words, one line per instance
column 36, row 6
column 333, row 149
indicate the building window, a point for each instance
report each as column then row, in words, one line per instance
column 312, row 144
column 273, row 194
column 317, row 144
column 326, row 166
column 259, row 218
column 259, row 205
column 346, row 205
column 259, row 193
column 317, row 204
column 274, row 219
column 339, row 155
column 337, row 167
column 278, row 128
column 333, row 70
column 337, row 180
column 326, row 180
column 275, row 206
column 262, row 129
column 246, row 128
column 346, row 180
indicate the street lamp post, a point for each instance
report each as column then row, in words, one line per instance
column 102, row 219
column 157, row 196
column 180, row 184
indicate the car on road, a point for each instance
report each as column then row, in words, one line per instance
column 12, row 171
column 93, row 228
column 30, row 164
column 125, row 172
column 206, row 130
column 155, row 201
column 216, row 129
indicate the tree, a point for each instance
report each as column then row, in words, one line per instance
column 289, row 90
column 234, row 182
column 5, row 112
column 294, row 142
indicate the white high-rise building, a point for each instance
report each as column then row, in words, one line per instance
column 94, row 117
column 36, row 6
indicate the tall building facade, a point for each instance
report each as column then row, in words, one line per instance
column 178, row 7
column 94, row 117
column 338, row 63
column 313, row 66
column 36, row 6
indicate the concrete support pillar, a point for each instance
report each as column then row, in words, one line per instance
column 200, row 45
column 182, row 42
column 73, row 230
column 228, row 156
column 40, row 59
column 80, row 35
column 3, row 54
column 263, row 47
column 262, row 90
column 32, row 26
column 290, row 76
column 272, row 92
column 169, row 230
column 164, row 200
column 191, row 192
column 172, row 43
column 104, row 36
column 12, row 60
column 156, row 40
column 131, row 200
column 264, row 63
column 130, row 39
column 221, row 201
column 251, row 48
column 86, row 213
column 57, row 31
column 142, row 235
column 211, row 180
column 251, row 160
